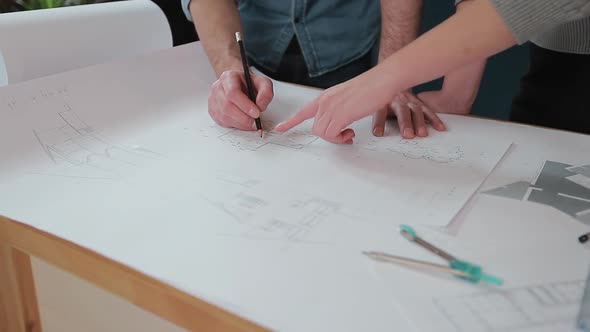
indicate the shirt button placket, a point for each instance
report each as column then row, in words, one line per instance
column 298, row 8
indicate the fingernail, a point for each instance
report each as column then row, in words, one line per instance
column 378, row 131
column 253, row 113
column 422, row 132
column 411, row 105
column 408, row 132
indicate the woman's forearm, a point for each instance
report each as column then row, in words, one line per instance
column 474, row 33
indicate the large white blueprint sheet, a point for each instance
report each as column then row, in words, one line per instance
column 124, row 159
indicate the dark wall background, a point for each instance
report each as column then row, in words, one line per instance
column 502, row 76
column 183, row 31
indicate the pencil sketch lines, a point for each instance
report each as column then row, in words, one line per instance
column 296, row 225
column 12, row 104
column 236, row 180
column 249, row 140
column 45, row 94
column 415, row 149
column 36, row 98
column 72, row 143
column 291, row 221
column 514, row 309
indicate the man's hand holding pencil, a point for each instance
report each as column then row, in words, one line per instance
column 229, row 105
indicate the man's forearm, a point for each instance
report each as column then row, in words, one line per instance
column 472, row 34
column 463, row 83
column 400, row 24
column 216, row 22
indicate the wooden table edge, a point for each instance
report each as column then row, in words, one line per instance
column 146, row 292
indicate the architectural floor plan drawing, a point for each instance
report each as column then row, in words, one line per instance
column 294, row 218
column 249, row 140
column 543, row 308
column 416, row 148
column 561, row 186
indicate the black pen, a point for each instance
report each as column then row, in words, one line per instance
column 249, row 84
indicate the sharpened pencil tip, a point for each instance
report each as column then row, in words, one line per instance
column 260, row 133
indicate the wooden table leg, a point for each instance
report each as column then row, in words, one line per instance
column 161, row 299
column 18, row 300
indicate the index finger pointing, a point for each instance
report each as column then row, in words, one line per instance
column 306, row 113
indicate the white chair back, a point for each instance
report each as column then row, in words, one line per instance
column 43, row 42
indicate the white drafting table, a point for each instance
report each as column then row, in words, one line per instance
column 165, row 267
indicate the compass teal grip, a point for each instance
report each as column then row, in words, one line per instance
column 409, row 230
column 475, row 273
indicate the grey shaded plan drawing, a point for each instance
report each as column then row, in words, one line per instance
column 249, row 140
column 582, row 170
column 556, row 186
column 72, row 144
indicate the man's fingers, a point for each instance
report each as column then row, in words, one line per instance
column 429, row 109
column 265, row 91
column 404, row 119
column 379, row 120
column 429, row 99
column 418, row 119
column 307, row 112
column 233, row 117
column 434, row 120
column 232, row 85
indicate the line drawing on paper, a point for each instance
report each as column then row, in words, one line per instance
column 74, row 144
column 514, row 309
column 290, row 221
column 236, row 180
column 38, row 97
column 303, row 217
column 12, row 104
column 249, row 140
column 416, row 148
column 46, row 94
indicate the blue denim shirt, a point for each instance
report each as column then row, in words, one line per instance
column 331, row 33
